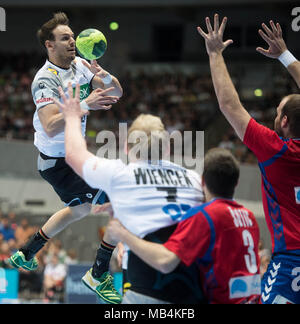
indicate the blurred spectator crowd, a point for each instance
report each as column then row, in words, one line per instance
column 185, row 102
column 47, row 282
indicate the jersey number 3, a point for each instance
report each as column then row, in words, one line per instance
column 250, row 258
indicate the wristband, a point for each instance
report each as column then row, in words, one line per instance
column 107, row 79
column 84, row 105
column 287, row 58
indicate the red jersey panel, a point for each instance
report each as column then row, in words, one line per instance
column 279, row 162
column 222, row 237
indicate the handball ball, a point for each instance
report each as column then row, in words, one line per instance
column 91, row 44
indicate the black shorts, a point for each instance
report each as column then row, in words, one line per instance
column 69, row 186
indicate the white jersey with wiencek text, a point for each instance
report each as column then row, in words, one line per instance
column 145, row 197
column 45, row 87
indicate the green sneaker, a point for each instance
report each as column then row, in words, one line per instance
column 18, row 260
column 103, row 287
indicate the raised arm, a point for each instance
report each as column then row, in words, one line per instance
column 227, row 95
column 278, row 49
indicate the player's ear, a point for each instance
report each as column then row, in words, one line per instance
column 49, row 44
column 284, row 122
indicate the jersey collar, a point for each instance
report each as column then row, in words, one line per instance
column 58, row 67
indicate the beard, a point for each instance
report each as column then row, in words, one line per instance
column 278, row 129
column 69, row 57
column 66, row 58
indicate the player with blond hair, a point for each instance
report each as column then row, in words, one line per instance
column 149, row 195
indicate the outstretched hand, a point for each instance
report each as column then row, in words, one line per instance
column 71, row 106
column 95, row 68
column 214, row 38
column 100, row 99
column 97, row 100
column 273, row 38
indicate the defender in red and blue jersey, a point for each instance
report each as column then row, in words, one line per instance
column 279, row 162
column 278, row 154
column 222, row 237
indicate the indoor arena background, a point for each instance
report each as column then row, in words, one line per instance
column 161, row 62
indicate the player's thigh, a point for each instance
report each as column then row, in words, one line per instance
column 68, row 185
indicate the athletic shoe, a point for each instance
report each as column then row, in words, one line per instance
column 103, row 287
column 18, row 260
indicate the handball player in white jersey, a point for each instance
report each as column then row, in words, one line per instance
column 61, row 67
column 149, row 195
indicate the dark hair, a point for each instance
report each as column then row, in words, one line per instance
column 46, row 31
column 221, row 172
column 291, row 109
